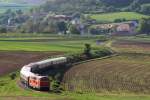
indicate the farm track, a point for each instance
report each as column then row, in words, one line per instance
column 13, row 60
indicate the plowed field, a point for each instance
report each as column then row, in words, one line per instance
column 132, row 46
column 12, row 60
column 123, row 73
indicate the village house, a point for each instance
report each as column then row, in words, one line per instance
column 126, row 28
column 122, row 28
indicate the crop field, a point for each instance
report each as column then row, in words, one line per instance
column 110, row 17
column 132, row 45
column 13, row 60
column 122, row 73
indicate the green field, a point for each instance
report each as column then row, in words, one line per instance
column 49, row 43
column 110, row 17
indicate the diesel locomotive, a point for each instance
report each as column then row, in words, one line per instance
column 30, row 75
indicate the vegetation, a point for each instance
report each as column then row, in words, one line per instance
column 144, row 26
column 65, row 44
column 111, row 17
column 10, row 88
column 92, row 6
column 118, row 74
column 101, row 67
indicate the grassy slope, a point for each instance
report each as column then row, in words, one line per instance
column 112, row 16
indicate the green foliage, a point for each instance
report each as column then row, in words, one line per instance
column 120, row 20
column 101, row 53
column 56, row 84
column 12, row 76
column 144, row 27
column 62, row 27
column 87, row 50
column 145, row 9
column 3, row 30
column 92, row 5
column 73, row 29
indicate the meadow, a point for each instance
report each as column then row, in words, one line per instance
column 48, row 43
column 110, row 17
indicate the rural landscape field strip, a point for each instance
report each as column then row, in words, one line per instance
column 121, row 73
column 46, row 43
column 13, row 60
column 131, row 46
column 118, row 15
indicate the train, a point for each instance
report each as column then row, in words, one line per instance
column 30, row 75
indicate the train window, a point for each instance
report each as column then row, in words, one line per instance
column 44, row 79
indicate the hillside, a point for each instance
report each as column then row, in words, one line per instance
column 24, row 1
column 94, row 5
column 19, row 4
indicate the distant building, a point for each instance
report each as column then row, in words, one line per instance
column 123, row 28
column 126, row 28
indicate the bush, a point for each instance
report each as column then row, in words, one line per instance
column 12, row 76
column 87, row 50
column 3, row 30
column 55, row 86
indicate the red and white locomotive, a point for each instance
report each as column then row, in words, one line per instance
column 30, row 77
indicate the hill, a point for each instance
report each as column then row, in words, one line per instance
column 24, row 1
column 94, row 5
column 19, row 4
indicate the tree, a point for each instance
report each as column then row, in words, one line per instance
column 144, row 26
column 87, row 50
column 135, row 6
column 3, row 30
column 73, row 29
column 145, row 9
column 19, row 12
column 62, row 27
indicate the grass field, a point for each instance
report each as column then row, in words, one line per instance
column 110, row 17
column 48, row 43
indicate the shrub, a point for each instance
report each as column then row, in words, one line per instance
column 87, row 50
column 3, row 30
column 55, row 86
column 12, row 76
